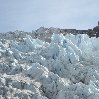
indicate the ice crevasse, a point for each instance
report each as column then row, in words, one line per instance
column 66, row 68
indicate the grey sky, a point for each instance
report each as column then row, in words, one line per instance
column 29, row 15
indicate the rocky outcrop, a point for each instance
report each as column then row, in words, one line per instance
column 45, row 34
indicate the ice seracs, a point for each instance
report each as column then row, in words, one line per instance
column 65, row 68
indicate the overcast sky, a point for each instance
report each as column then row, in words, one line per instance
column 29, row 15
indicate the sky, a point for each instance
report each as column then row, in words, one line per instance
column 28, row 15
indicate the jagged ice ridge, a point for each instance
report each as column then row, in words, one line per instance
column 65, row 68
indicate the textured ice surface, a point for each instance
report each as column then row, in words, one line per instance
column 66, row 68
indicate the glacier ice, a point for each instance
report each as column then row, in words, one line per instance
column 65, row 68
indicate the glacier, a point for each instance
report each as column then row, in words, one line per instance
column 65, row 68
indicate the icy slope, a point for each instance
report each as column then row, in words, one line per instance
column 66, row 68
